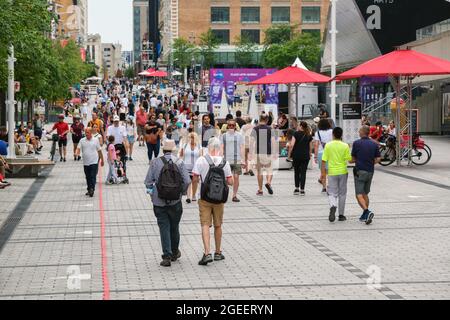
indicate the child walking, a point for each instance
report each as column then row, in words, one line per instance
column 112, row 157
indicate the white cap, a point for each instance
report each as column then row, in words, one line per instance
column 116, row 118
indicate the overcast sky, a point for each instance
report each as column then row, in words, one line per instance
column 113, row 20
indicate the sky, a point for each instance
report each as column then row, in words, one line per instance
column 113, row 20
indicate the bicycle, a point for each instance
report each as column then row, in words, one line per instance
column 420, row 153
column 55, row 139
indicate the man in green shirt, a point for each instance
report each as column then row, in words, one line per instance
column 336, row 154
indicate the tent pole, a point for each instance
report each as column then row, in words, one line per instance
column 410, row 138
column 398, row 124
column 296, row 101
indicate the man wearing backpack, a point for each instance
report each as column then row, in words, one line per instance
column 167, row 180
column 216, row 176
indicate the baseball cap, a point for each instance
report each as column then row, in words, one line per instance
column 116, row 118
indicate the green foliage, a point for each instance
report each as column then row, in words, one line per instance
column 245, row 50
column 208, row 44
column 129, row 73
column 43, row 67
column 305, row 46
column 278, row 34
column 183, row 52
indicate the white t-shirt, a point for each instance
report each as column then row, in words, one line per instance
column 325, row 137
column 201, row 167
column 90, row 149
column 153, row 102
column 119, row 133
column 125, row 102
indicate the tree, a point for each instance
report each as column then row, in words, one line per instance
column 305, row 46
column 245, row 50
column 182, row 53
column 129, row 73
column 208, row 44
column 279, row 34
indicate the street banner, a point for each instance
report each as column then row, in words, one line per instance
column 272, row 94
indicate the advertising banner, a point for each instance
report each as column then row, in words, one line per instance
column 350, row 115
column 222, row 78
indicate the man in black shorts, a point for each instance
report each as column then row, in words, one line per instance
column 365, row 154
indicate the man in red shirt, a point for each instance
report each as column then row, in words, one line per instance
column 376, row 132
column 141, row 120
column 62, row 128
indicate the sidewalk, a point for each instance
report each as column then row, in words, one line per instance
column 276, row 247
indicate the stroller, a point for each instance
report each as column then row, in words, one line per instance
column 120, row 165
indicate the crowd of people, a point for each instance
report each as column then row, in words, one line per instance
column 201, row 159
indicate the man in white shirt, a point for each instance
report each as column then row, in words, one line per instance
column 153, row 102
column 120, row 139
column 92, row 156
column 211, row 213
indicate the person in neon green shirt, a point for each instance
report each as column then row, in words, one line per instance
column 336, row 154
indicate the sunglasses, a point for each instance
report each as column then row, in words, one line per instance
column 231, row 126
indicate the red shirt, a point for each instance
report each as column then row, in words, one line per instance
column 61, row 127
column 141, row 118
column 374, row 134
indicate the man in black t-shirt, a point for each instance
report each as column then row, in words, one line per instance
column 262, row 146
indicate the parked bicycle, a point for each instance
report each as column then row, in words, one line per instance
column 55, row 139
column 420, row 152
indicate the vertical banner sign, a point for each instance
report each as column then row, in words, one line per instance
column 272, row 94
column 351, row 121
column 230, row 92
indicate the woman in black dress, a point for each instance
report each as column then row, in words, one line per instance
column 300, row 152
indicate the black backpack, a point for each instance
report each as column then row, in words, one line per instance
column 214, row 188
column 170, row 181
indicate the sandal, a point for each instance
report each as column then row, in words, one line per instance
column 235, row 199
column 259, row 193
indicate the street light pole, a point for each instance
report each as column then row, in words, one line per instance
column 333, row 33
column 11, row 103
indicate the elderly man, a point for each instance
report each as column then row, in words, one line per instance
column 92, row 156
column 119, row 132
column 168, row 212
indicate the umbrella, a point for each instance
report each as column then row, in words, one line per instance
column 147, row 72
column 158, row 74
column 176, row 73
column 292, row 75
column 400, row 63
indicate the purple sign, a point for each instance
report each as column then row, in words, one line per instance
column 228, row 78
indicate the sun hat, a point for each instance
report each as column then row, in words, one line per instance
column 169, row 145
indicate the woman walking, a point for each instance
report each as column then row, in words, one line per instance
column 323, row 135
column 153, row 139
column 300, row 152
column 77, row 129
column 131, row 136
column 190, row 152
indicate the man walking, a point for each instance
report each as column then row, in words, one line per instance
column 168, row 212
column 233, row 151
column 336, row 154
column 366, row 154
column 62, row 128
column 215, row 174
column 92, row 153
column 263, row 146
column 120, row 139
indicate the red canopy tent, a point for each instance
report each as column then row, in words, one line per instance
column 398, row 64
column 292, row 75
column 146, row 73
column 158, row 74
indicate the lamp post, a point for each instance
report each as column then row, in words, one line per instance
column 11, row 103
column 333, row 33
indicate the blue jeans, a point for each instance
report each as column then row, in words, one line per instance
column 153, row 149
column 168, row 222
column 91, row 176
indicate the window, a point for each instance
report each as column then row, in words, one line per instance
column 250, row 15
column 223, row 36
column 252, row 35
column 310, row 14
column 220, row 15
column 281, row 15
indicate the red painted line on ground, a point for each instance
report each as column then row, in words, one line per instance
column 105, row 279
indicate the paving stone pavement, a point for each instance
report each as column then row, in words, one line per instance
column 276, row 247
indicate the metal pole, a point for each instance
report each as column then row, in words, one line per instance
column 398, row 124
column 410, row 128
column 11, row 103
column 333, row 33
column 296, row 100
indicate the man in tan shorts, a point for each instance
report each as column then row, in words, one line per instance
column 211, row 213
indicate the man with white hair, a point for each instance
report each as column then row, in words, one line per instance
column 215, row 174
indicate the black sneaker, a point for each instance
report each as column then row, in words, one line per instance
column 302, row 192
column 37, row 152
column 87, row 193
column 218, row 256
column 252, row 173
column 176, row 256
column 269, row 188
column 64, row 159
column 188, row 200
column 205, row 260
column 91, row 193
column 165, row 263
column 370, row 218
column 342, row 218
column 296, row 192
column 332, row 216
column 324, row 190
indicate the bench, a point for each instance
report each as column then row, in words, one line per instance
column 27, row 167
